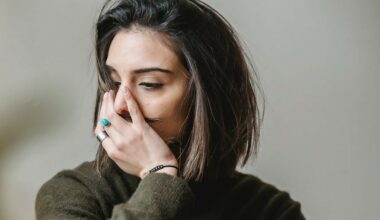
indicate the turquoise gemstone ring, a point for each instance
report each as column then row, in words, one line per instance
column 105, row 122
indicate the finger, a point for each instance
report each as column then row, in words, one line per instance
column 112, row 151
column 134, row 110
column 101, row 115
column 118, row 126
column 118, row 122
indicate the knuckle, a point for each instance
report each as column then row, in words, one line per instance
column 107, row 115
column 144, row 126
column 110, row 115
column 118, row 143
column 139, row 134
column 113, row 154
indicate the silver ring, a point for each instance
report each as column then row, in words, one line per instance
column 101, row 136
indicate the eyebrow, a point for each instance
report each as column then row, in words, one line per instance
column 142, row 70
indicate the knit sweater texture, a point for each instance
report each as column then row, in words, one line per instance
column 81, row 193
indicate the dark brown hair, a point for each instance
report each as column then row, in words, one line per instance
column 223, row 123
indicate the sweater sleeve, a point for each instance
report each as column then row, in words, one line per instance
column 68, row 196
column 158, row 196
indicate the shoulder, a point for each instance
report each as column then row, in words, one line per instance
column 83, row 191
column 261, row 199
column 84, row 178
column 84, row 173
column 79, row 178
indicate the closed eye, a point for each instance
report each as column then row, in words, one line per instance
column 149, row 85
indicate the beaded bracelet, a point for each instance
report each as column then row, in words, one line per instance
column 157, row 168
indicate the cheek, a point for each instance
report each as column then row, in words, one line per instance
column 165, row 105
column 167, row 110
column 161, row 109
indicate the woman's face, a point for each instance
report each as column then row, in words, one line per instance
column 147, row 64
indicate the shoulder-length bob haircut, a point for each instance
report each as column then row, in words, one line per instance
column 223, row 120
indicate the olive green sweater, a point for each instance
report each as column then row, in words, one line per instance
column 82, row 194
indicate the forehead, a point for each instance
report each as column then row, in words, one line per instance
column 141, row 47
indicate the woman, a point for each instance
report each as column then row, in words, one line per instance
column 176, row 110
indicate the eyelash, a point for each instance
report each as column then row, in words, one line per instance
column 151, row 85
column 147, row 85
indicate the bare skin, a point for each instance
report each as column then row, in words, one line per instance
column 152, row 87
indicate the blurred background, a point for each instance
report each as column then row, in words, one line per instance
column 319, row 65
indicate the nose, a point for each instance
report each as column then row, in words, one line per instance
column 120, row 104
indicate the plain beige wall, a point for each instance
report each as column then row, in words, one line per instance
column 319, row 63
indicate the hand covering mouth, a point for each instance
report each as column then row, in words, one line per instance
column 148, row 120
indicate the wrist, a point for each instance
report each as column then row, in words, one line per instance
column 169, row 170
column 161, row 168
